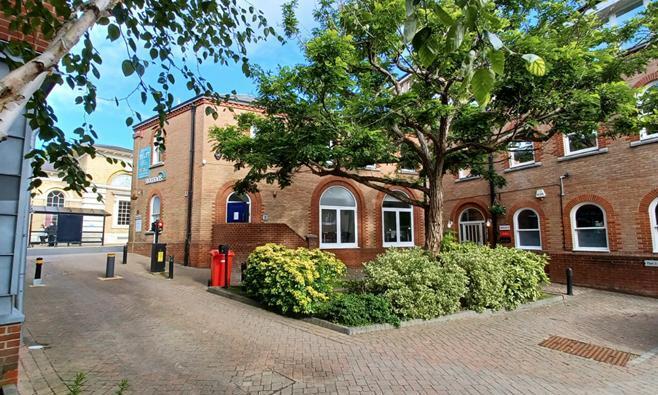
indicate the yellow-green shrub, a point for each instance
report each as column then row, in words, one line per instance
column 291, row 281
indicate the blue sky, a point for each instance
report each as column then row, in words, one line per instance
column 109, row 120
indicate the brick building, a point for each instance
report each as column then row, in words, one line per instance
column 591, row 204
column 200, row 210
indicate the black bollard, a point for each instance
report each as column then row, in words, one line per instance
column 171, row 266
column 37, row 273
column 243, row 268
column 569, row 281
column 125, row 254
column 109, row 266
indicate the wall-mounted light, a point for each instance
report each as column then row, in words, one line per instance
column 488, row 223
column 204, row 162
column 218, row 155
column 540, row 194
column 449, row 224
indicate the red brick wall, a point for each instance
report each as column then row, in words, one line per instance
column 243, row 238
column 10, row 339
column 611, row 272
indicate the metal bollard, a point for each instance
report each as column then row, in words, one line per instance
column 125, row 254
column 569, row 281
column 109, row 266
column 37, row 273
column 171, row 267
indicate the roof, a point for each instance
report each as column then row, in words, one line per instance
column 114, row 148
column 70, row 210
column 237, row 98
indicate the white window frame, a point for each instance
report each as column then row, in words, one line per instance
column 517, row 230
column 465, row 174
column 653, row 220
column 338, row 209
column 397, row 211
column 643, row 133
column 115, row 221
column 574, row 229
column 151, row 219
column 482, row 226
column 567, row 149
column 513, row 162
column 226, row 208
column 156, row 153
column 62, row 198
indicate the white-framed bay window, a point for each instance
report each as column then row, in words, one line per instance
column 577, row 143
column 527, row 230
column 338, row 218
column 653, row 220
column 397, row 223
column 589, row 228
column 521, row 153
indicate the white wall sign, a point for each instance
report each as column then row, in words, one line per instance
column 159, row 178
column 504, row 227
column 651, row 263
column 138, row 223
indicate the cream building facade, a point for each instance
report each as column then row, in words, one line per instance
column 102, row 222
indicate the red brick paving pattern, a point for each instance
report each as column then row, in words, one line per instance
column 174, row 337
column 588, row 350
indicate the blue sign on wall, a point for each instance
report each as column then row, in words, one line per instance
column 144, row 163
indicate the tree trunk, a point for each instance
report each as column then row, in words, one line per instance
column 19, row 85
column 434, row 217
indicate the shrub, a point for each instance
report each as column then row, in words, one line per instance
column 358, row 310
column 415, row 284
column 500, row 277
column 291, row 281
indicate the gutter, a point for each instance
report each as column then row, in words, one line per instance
column 190, row 187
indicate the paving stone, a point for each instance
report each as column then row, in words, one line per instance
column 171, row 336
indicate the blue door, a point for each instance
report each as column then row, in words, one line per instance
column 237, row 212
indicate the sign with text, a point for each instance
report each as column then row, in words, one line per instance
column 144, row 163
column 159, row 178
column 651, row 263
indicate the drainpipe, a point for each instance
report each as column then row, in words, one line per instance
column 564, row 237
column 492, row 201
column 190, row 188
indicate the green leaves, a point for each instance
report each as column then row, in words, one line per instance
column 482, row 84
column 534, row 64
column 127, row 67
column 113, row 32
column 497, row 60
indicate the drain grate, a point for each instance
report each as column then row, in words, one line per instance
column 587, row 350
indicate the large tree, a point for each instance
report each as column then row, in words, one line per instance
column 437, row 85
column 172, row 36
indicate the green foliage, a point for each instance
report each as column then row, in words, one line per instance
column 498, row 277
column 291, row 281
column 471, row 69
column 76, row 386
column 415, row 284
column 358, row 310
column 169, row 38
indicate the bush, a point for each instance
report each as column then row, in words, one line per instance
column 500, row 277
column 291, row 281
column 415, row 284
column 358, row 310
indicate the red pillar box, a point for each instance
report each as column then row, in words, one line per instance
column 217, row 269
column 229, row 267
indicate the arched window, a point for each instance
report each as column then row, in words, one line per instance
column 55, row 199
column 337, row 219
column 590, row 229
column 647, row 102
column 471, row 226
column 238, row 208
column 155, row 209
column 121, row 180
column 527, row 230
column 397, row 223
column 653, row 216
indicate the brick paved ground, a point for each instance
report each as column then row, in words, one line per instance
column 174, row 337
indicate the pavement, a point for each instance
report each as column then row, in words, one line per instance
column 173, row 337
column 69, row 250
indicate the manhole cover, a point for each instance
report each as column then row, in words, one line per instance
column 587, row 350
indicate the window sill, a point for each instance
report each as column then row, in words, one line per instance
column 404, row 245
column 468, row 179
column 407, row 171
column 583, row 154
column 605, row 251
column 159, row 164
column 522, row 167
column 338, row 247
column 650, row 140
column 529, row 248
